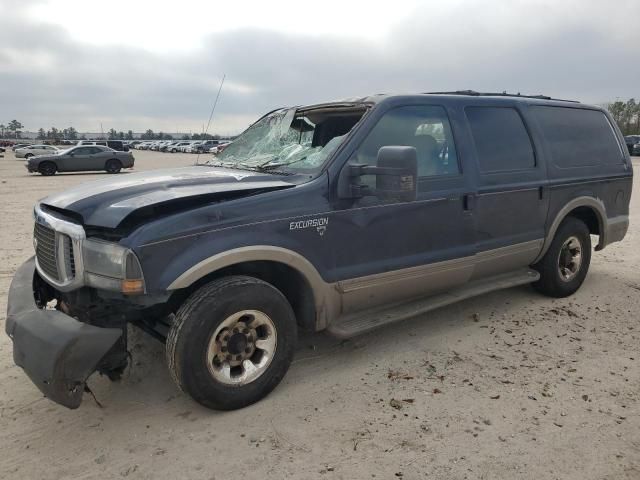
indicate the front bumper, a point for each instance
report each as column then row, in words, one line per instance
column 57, row 352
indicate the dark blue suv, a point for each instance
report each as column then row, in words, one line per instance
column 342, row 216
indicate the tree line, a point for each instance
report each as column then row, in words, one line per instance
column 11, row 130
column 627, row 116
column 56, row 134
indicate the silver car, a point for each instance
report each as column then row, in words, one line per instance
column 33, row 150
column 81, row 159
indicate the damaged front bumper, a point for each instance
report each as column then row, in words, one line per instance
column 56, row 351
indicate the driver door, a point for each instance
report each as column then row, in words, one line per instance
column 74, row 160
column 387, row 251
column 97, row 158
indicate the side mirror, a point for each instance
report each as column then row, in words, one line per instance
column 396, row 176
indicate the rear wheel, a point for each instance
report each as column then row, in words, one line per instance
column 232, row 342
column 564, row 267
column 113, row 166
column 28, row 155
column 47, row 168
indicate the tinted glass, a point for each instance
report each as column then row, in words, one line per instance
column 501, row 139
column 424, row 127
column 81, row 151
column 578, row 137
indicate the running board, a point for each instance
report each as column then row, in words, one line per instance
column 367, row 320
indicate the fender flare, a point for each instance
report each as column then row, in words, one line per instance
column 326, row 298
column 594, row 204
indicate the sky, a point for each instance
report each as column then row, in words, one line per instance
column 138, row 64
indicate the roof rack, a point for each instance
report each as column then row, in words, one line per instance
column 473, row 93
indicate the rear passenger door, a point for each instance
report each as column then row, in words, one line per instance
column 512, row 202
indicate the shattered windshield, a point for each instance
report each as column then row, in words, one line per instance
column 291, row 140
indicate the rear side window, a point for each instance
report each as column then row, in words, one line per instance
column 501, row 139
column 578, row 137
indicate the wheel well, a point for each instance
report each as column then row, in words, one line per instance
column 589, row 217
column 293, row 285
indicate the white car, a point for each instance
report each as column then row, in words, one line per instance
column 33, row 150
column 192, row 148
column 219, row 148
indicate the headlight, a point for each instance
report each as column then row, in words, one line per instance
column 112, row 267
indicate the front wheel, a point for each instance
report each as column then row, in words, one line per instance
column 47, row 168
column 232, row 342
column 28, row 155
column 564, row 267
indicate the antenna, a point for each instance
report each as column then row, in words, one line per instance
column 215, row 102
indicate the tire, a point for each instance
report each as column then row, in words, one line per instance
column 28, row 155
column 47, row 169
column 197, row 369
column 173, row 150
column 557, row 276
column 113, row 166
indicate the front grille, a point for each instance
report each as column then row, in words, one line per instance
column 47, row 253
column 69, row 260
column 45, row 240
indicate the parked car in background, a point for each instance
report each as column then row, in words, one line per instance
column 19, row 145
column 167, row 146
column 219, row 148
column 192, row 147
column 118, row 145
column 33, row 150
column 81, row 158
column 177, row 147
column 204, row 146
column 636, row 150
column 632, row 141
column 158, row 146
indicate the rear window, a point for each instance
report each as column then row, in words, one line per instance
column 501, row 139
column 578, row 137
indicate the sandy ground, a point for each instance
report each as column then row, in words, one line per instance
column 508, row 385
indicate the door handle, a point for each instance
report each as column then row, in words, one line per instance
column 468, row 202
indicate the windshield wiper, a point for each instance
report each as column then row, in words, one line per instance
column 266, row 166
column 235, row 166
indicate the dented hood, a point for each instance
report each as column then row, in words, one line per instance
column 106, row 203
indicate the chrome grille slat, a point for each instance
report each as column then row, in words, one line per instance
column 58, row 248
column 46, row 250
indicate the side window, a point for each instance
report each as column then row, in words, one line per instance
column 501, row 139
column 425, row 127
column 80, row 151
column 578, row 137
column 94, row 150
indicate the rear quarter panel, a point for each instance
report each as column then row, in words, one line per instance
column 609, row 183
